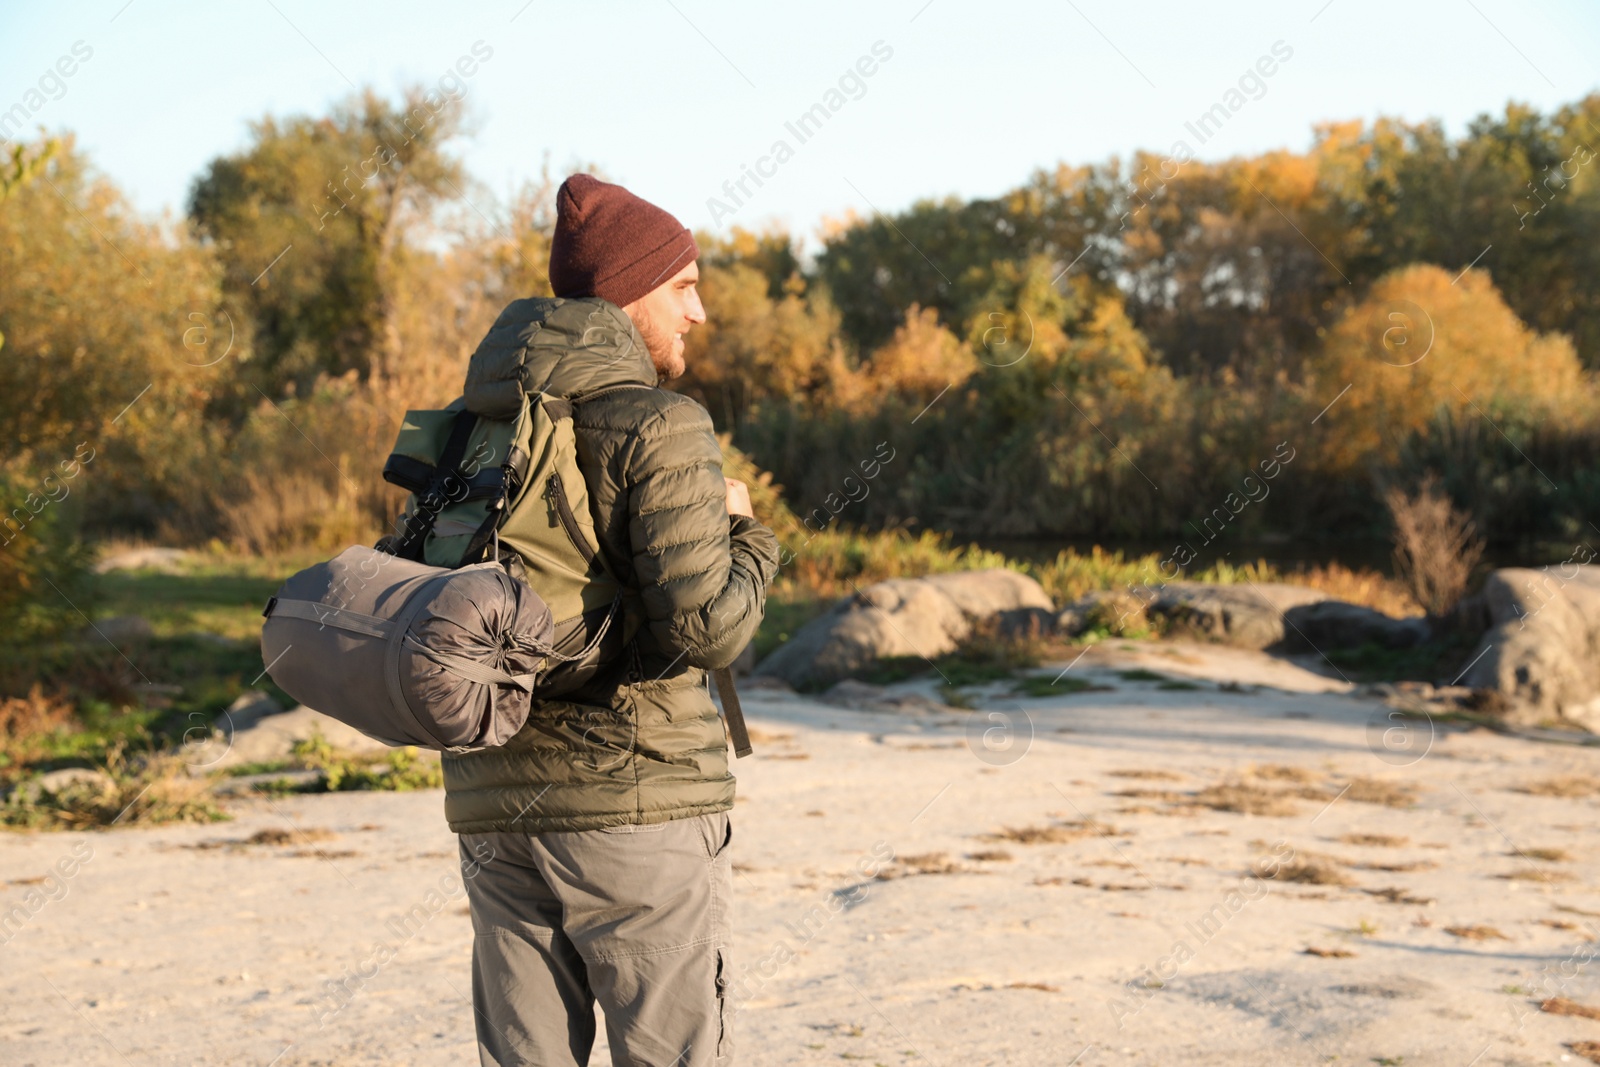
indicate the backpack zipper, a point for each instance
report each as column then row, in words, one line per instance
column 556, row 493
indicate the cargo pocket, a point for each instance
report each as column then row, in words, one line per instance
column 724, row 1017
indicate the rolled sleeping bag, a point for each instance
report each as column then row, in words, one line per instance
column 406, row 653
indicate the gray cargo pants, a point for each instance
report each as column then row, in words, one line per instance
column 635, row 917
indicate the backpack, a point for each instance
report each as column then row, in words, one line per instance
column 510, row 491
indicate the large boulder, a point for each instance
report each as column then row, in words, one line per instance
column 1542, row 649
column 1336, row 624
column 1248, row 615
column 926, row 617
column 256, row 731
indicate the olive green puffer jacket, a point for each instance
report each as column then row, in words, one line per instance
column 643, row 743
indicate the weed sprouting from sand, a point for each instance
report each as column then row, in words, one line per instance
column 1375, row 840
column 1476, row 933
column 1328, row 953
column 1149, row 775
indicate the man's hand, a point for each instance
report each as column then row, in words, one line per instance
column 738, row 498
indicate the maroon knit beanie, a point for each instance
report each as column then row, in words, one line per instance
column 613, row 245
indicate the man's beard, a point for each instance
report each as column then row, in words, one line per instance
column 660, row 344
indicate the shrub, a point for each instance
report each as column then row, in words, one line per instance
column 1435, row 547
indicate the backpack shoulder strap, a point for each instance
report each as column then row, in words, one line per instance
column 738, row 733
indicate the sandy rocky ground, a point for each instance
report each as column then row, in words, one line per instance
column 1061, row 892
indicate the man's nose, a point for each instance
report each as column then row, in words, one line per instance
column 695, row 312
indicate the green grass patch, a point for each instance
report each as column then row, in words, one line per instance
column 1037, row 685
column 1139, row 674
column 1177, row 683
column 399, row 770
column 1433, row 661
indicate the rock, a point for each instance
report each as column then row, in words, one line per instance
column 122, row 629
column 925, row 617
column 1335, row 624
column 1249, row 615
column 862, row 696
column 259, row 734
column 745, row 662
column 1542, row 651
column 75, row 779
column 134, row 559
column 247, row 710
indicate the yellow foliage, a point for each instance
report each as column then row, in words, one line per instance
column 1420, row 342
column 921, row 360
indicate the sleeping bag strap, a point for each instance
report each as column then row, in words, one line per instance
column 470, row 670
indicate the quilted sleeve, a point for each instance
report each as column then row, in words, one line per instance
column 702, row 574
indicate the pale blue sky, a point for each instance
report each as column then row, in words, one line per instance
column 673, row 97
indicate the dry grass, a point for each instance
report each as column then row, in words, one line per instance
column 27, row 721
column 1378, row 791
column 1563, row 1006
column 1040, row 986
column 1366, row 587
column 923, row 863
column 1589, row 1050
column 1247, row 799
column 1307, row 870
column 289, row 837
column 1060, row 834
column 1396, row 895
column 990, row 855
column 154, row 789
column 1435, row 548
column 1171, row 796
column 1328, row 953
column 1532, row 874
column 1476, row 933
column 1280, row 772
column 1158, row 776
column 1563, row 785
column 1375, row 840
column 1396, row 868
column 1548, row 855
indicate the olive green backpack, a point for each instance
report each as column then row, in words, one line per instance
column 510, row 490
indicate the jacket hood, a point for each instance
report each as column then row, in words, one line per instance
column 565, row 347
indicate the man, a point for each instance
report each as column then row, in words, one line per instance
column 595, row 843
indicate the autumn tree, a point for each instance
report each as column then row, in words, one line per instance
column 312, row 221
column 1420, row 342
